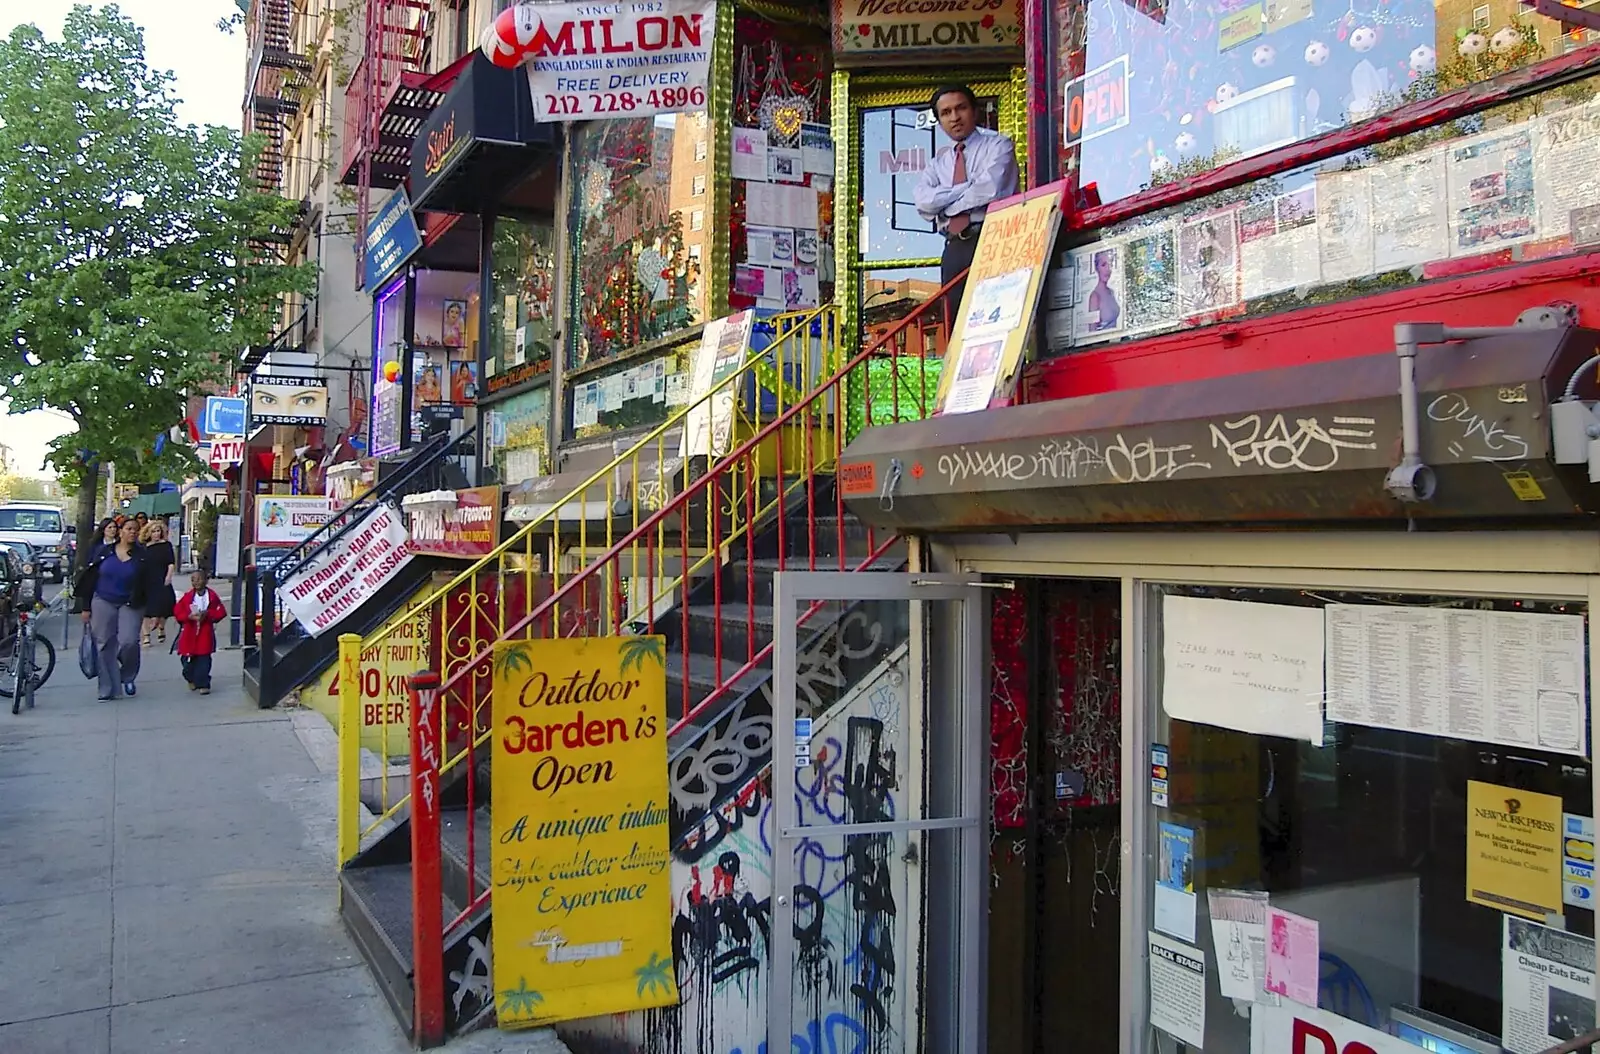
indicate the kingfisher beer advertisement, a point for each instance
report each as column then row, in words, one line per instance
column 582, row 877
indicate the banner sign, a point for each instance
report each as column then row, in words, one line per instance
column 392, row 239
column 581, row 872
column 289, row 401
column 1001, row 296
column 224, row 416
column 472, row 528
column 349, row 571
column 872, row 32
column 589, row 61
column 288, row 521
column 226, row 451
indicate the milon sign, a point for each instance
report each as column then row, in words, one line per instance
column 878, row 31
column 608, row 60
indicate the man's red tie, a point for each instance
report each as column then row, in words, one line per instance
column 959, row 223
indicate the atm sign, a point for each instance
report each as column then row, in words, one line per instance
column 1097, row 102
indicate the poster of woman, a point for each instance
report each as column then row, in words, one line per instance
column 453, row 329
column 1099, row 310
column 463, row 382
column 1208, row 263
column 429, row 386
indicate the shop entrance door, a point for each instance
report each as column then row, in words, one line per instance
column 879, row 756
column 894, row 260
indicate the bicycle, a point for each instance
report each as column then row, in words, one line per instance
column 27, row 659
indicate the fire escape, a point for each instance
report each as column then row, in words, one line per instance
column 278, row 76
column 387, row 102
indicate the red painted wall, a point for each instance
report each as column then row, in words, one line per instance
column 1324, row 333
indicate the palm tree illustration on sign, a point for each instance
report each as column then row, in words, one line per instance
column 635, row 650
column 520, row 1001
column 513, row 660
column 653, row 974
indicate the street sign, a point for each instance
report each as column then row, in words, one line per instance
column 224, row 416
column 226, row 451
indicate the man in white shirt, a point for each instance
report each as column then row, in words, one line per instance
column 979, row 167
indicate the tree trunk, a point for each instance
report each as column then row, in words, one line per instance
column 88, row 533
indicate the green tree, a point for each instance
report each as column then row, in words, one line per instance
column 130, row 269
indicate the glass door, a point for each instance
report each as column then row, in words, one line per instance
column 880, row 755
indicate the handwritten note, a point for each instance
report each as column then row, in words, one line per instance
column 1245, row 666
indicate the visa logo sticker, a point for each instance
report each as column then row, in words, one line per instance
column 1577, row 860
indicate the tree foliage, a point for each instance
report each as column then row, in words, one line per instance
column 127, row 275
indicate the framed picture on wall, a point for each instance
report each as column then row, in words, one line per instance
column 453, row 329
column 463, row 381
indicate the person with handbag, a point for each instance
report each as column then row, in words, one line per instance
column 115, row 584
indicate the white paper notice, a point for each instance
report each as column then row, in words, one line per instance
column 1239, row 936
column 1566, row 165
column 1245, row 666
column 750, row 154
column 783, row 165
column 1508, row 677
column 780, row 205
column 1175, row 912
column 1546, row 986
column 816, row 149
column 997, row 304
column 1344, row 225
column 1410, row 219
column 758, row 246
column 1178, row 989
column 977, row 370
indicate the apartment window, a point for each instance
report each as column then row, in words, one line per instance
column 697, row 186
column 1480, row 17
column 699, row 149
column 697, row 220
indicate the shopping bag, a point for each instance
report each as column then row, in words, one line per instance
column 89, row 657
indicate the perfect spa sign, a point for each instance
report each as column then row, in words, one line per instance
column 876, row 31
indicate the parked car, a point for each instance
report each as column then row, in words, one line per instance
column 41, row 526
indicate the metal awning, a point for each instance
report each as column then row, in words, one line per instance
column 1295, row 446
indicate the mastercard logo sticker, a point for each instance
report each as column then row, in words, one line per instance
column 1579, row 849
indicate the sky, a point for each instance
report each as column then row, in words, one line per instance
column 181, row 36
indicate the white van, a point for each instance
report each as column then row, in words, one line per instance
column 41, row 526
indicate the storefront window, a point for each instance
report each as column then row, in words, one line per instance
column 444, row 353
column 1150, row 91
column 517, row 437
column 634, row 279
column 1365, row 812
column 520, row 305
column 387, row 390
column 1512, row 184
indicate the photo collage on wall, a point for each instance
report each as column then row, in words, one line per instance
column 782, row 169
column 1529, row 187
column 444, row 360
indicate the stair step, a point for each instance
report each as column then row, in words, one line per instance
column 453, row 844
column 741, row 628
column 704, row 678
column 376, row 907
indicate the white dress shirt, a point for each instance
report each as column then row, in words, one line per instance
column 991, row 175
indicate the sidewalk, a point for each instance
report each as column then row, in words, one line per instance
column 167, row 881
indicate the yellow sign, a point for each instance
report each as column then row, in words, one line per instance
column 910, row 30
column 1513, row 850
column 998, row 304
column 582, row 879
column 385, row 700
column 1239, row 27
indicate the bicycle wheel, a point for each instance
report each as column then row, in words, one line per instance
column 22, row 681
column 44, row 663
column 8, row 667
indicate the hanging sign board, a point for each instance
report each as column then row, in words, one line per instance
column 224, row 416
column 392, row 239
column 998, row 304
column 581, row 870
column 608, row 62
column 471, row 529
column 226, row 451
column 349, row 571
column 875, row 32
column 288, row 401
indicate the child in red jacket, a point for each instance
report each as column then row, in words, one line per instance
column 198, row 611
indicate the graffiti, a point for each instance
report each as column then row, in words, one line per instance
column 870, row 777
column 1056, row 459
column 717, row 825
column 475, row 979
column 1146, row 461
column 1486, row 440
column 723, row 758
column 1307, row 447
column 837, row 1034
column 718, row 927
column 821, row 673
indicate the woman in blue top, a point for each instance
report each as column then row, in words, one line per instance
column 116, row 610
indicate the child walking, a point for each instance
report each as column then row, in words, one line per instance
column 198, row 611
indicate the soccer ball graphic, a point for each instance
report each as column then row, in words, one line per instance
column 1226, row 93
column 1423, row 59
column 1264, row 55
column 1185, row 142
column 1316, row 53
column 1504, row 40
column 1473, row 44
column 1363, row 38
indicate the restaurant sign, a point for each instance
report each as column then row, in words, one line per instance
column 470, row 529
column 877, row 31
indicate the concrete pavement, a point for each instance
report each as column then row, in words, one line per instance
column 167, row 880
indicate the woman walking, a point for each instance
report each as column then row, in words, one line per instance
column 115, row 584
column 106, row 539
column 159, row 563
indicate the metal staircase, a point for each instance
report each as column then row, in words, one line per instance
column 693, row 558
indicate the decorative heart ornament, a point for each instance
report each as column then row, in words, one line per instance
column 782, row 117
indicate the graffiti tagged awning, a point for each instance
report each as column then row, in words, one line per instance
column 1309, row 444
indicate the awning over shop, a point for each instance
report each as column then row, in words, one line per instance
column 479, row 141
column 168, row 504
column 1310, row 444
